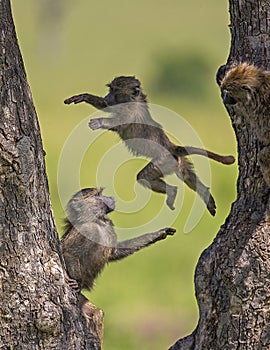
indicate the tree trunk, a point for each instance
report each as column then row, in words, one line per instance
column 232, row 278
column 38, row 309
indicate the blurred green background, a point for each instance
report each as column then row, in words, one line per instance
column 174, row 48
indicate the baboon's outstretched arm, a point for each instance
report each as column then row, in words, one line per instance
column 96, row 101
column 103, row 123
column 130, row 246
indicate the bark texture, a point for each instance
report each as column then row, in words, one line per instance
column 232, row 278
column 38, row 310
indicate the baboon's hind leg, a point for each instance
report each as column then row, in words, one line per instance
column 186, row 174
column 150, row 177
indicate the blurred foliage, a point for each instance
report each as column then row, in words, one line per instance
column 182, row 74
column 72, row 47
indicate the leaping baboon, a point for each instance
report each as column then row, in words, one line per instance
column 131, row 119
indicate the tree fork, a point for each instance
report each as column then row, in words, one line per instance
column 37, row 307
column 232, row 277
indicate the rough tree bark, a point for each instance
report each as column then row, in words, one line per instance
column 37, row 308
column 232, row 277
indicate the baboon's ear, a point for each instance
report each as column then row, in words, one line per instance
column 221, row 74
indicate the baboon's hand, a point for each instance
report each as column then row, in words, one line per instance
column 75, row 99
column 167, row 231
column 95, row 124
column 72, row 283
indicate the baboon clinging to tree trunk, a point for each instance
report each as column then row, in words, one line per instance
column 248, row 87
column 90, row 242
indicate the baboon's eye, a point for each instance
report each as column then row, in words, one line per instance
column 136, row 91
column 246, row 87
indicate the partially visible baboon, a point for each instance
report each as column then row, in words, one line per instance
column 90, row 242
column 248, row 88
column 131, row 119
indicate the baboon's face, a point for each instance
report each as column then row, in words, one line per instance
column 124, row 89
column 89, row 203
column 240, row 84
column 234, row 92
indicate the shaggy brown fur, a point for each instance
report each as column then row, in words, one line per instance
column 248, row 88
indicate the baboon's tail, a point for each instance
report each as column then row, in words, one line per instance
column 184, row 151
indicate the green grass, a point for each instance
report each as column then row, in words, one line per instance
column 148, row 299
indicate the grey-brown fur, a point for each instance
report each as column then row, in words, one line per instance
column 90, row 242
column 143, row 136
column 247, row 88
